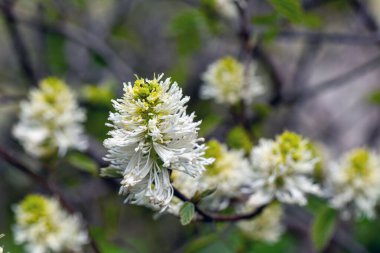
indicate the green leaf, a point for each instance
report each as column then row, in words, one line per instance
column 200, row 243
column 98, row 233
column 110, row 172
column 210, row 14
column 201, row 195
column 290, row 9
column 323, row 227
column 186, row 28
column 209, row 123
column 238, row 138
column 83, row 163
column 180, row 71
column 374, row 97
column 186, row 213
column 55, row 53
column 268, row 19
column 99, row 94
column 311, row 20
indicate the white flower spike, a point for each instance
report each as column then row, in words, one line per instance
column 50, row 121
column 354, row 183
column 152, row 134
column 228, row 82
column 228, row 175
column 283, row 170
column 44, row 227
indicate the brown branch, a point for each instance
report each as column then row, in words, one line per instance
column 42, row 181
column 305, row 61
column 364, row 14
column 334, row 38
column 5, row 99
column 343, row 79
column 82, row 37
column 17, row 41
column 214, row 217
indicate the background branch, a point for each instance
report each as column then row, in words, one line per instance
column 18, row 44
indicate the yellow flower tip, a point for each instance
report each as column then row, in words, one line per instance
column 359, row 160
column 52, row 84
column 290, row 143
column 51, row 87
column 147, row 91
column 230, row 65
column 229, row 62
column 215, row 150
column 35, row 206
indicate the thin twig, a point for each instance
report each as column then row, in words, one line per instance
column 335, row 82
column 365, row 15
column 371, row 25
column 334, row 38
column 84, row 38
column 305, row 61
column 17, row 41
column 213, row 217
column 4, row 99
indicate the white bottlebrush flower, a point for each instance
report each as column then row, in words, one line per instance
column 227, row 8
column 266, row 227
column 228, row 81
column 229, row 173
column 152, row 134
column 44, row 227
column 283, row 170
column 227, row 176
column 50, row 120
column 354, row 182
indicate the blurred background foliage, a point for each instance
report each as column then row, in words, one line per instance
column 325, row 50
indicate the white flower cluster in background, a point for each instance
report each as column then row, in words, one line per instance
column 355, row 183
column 226, row 8
column 265, row 227
column 152, row 134
column 283, row 169
column 375, row 9
column 50, row 120
column 228, row 174
column 229, row 82
column 43, row 226
column 1, row 248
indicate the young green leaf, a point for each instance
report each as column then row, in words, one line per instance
column 290, row 9
column 83, row 163
column 238, row 138
column 374, row 97
column 110, row 172
column 186, row 213
column 323, row 227
column 203, row 194
column 186, row 29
